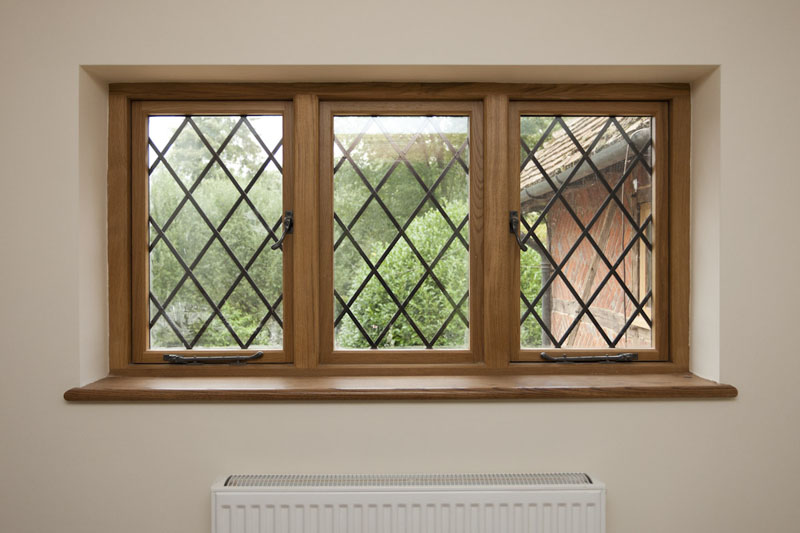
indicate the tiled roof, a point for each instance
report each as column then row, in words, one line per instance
column 559, row 152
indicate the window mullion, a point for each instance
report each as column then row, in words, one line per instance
column 306, row 257
column 501, row 272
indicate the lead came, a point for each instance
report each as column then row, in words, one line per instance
column 401, row 231
column 586, row 197
column 215, row 204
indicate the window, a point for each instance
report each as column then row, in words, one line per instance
column 587, row 185
column 208, row 202
column 476, row 231
column 397, row 181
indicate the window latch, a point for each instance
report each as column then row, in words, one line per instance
column 176, row 359
column 513, row 226
column 288, row 228
column 616, row 358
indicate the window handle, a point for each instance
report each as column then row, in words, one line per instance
column 513, row 226
column 211, row 360
column 617, row 358
column 288, row 227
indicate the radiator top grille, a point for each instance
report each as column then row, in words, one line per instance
column 404, row 480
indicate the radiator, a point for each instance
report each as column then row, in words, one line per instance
column 425, row 503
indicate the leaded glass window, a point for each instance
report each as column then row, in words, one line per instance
column 586, row 196
column 215, row 209
column 401, row 231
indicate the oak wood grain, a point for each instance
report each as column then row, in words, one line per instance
column 663, row 252
column 140, row 231
column 329, row 355
column 119, row 232
column 139, row 209
column 497, row 354
column 306, row 255
column 398, row 91
column 665, row 386
column 680, row 131
column 396, row 368
column 665, row 261
column 499, row 315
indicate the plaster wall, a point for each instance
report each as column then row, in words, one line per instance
column 670, row 466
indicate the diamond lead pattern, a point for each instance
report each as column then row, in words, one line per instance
column 401, row 250
column 585, row 191
column 215, row 206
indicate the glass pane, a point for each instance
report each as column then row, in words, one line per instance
column 216, row 202
column 401, row 232
column 586, row 195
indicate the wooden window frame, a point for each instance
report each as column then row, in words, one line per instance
column 662, row 318
column 474, row 352
column 140, row 212
column 493, row 367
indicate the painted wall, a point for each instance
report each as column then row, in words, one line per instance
column 678, row 466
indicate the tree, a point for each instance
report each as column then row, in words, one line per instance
column 429, row 308
column 401, row 166
column 243, row 234
column 531, row 130
column 530, row 281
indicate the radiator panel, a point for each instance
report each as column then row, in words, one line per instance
column 438, row 481
column 544, row 509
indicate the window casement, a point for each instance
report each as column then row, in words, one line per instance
column 589, row 176
column 207, row 205
column 411, row 232
column 399, row 251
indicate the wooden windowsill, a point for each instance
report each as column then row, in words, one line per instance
column 640, row 386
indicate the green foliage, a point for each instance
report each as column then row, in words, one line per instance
column 530, row 274
column 243, row 234
column 401, row 192
column 531, row 130
column 429, row 307
column 427, row 158
column 531, row 281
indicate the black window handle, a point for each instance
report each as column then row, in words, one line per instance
column 513, row 226
column 176, row 359
column 288, row 227
column 617, row 358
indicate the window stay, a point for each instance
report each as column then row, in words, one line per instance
column 211, row 360
column 617, row 358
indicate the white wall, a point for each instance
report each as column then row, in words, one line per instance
column 677, row 466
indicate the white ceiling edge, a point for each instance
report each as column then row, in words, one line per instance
column 400, row 73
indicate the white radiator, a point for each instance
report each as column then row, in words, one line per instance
column 425, row 503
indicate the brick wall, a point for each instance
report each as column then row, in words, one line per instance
column 612, row 232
